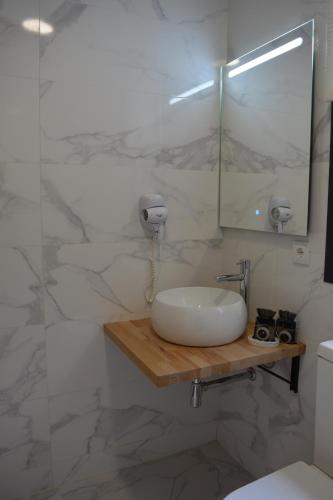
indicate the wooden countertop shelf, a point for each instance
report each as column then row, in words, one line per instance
column 165, row 363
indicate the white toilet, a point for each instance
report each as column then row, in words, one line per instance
column 300, row 481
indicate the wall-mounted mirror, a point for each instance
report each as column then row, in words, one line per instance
column 266, row 135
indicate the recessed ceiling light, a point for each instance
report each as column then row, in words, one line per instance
column 37, row 26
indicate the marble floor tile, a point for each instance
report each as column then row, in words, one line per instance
column 203, row 473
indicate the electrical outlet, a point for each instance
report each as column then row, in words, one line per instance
column 301, row 253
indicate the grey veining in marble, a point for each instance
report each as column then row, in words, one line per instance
column 24, row 439
column 21, row 291
column 206, row 472
column 22, row 364
column 20, row 217
column 321, row 129
column 73, row 214
column 239, row 157
column 25, row 467
column 199, row 154
column 124, row 128
column 62, row 18
column 107, row 438
column 86, row 117
column 70, row 266
column 87, row 280
column 112, row 427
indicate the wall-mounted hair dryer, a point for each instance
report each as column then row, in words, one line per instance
column 153, row 215
column 279, row 213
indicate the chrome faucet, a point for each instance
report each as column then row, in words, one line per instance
column 243, row 277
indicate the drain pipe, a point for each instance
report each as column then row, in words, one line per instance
column 198, row 386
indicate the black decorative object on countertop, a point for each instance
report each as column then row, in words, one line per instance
column 264, row 329
column 286, row 327
column 267, row 329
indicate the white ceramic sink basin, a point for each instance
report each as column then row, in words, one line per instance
column 199, row 316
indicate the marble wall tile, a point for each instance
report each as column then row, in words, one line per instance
column 95, row 124
column 318, row 205
column 20, row 215
column 23, row 484
column 171, row 402
column 169, row 11
column 168, row 52
column 90, row 436
column 321, row 132
column 280, row 18
column 18, row 47
column 129, row 422
column 21, row 295
column 22, row 364
column 88, row 280
column 24, row 434
column 82, row 362
column 84, row 123
column 96, row 106
column 261, row 425
column 73, row 212
column 95, row 431
column 202, row 472
column 224, row 256
column 19, row 124
column 130, row 454
column 24, row 455
column 296, row 284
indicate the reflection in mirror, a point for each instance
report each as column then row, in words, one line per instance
column 266, row 135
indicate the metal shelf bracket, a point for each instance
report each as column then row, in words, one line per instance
column 294, row 374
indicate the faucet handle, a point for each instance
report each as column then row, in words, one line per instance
column 244, row 264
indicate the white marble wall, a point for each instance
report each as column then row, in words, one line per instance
column 86, row 128
column 263, row 425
